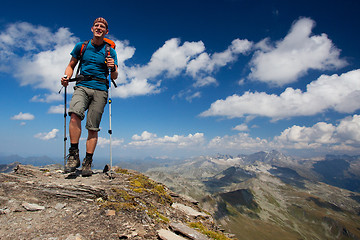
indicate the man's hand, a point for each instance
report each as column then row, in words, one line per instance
column 110, row 63
column 65, row 81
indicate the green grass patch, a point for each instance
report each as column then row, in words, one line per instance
column 141, row 183
column 212, row 234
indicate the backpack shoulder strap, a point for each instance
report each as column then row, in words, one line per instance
column 109, row 44
column 82, row 50
column 107, row 50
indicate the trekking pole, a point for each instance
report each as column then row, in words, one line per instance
column 65, row 138
column 110, row 130
column 110, row 101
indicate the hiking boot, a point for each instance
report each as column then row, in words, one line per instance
column 73, row 161
column 86, row 167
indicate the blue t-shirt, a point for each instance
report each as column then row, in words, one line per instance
column 93, row 64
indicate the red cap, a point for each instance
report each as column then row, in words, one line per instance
column 102, row 20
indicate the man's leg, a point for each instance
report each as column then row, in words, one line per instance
column 91, row 141
column 75, row 128
column 78, row 105
column 94, row 115
column 73, row 160
column 90, row 148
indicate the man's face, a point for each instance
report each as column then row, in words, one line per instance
column 99, row 29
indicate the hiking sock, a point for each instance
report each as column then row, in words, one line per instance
column 89, row 155
column 74, row 146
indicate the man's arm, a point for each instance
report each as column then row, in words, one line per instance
column 69, row 71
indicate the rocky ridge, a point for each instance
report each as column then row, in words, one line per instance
column 44, row 203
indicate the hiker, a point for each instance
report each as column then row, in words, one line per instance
column 90, row 93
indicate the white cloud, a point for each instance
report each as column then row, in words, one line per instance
column 44, row 69
column 339, row 93
column 349, row 129
column 204, row 65
column 151, row 140
column 102, row 142
column 47, row 136
column 293, row 56
column 344, row 136
column 189, row 98
column 240, row 143
column 31, row 37
column 321, row 133
column 23, row 116
column 242, row 127
column 168, row 61
column 321, row 137
column 171, row 59
column 136, row 87
column 144, row 136
column 43, row 55
column 47, row 98
column 124, row 52
column 59, row 109
column 241, row 82
column 202, row 82
column 188, row 94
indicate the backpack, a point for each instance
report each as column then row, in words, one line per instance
column 109, row 44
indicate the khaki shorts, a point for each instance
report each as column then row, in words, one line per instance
column 88, row 99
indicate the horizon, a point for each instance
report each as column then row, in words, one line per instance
column 153, row 162
column 105, row 159
column 195, row 78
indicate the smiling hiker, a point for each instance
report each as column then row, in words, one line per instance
column 97, row 59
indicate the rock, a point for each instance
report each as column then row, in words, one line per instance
column 4, row 211
column 106, row 168
column 60, row 206
column 173, row 194
column 168, row 235
column 188, row 210
column 190, row 199
column 128, row 206
column 32, row 207
column 75, row 237
column 188, row 231
column 110, row 212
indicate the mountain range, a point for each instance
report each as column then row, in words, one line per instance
column 268, row 195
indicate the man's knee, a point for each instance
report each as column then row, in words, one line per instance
column 74, row 117
column 92, row 134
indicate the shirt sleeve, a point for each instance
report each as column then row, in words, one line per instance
column 76, row 51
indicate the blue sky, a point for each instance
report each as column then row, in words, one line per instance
column 196, row 77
